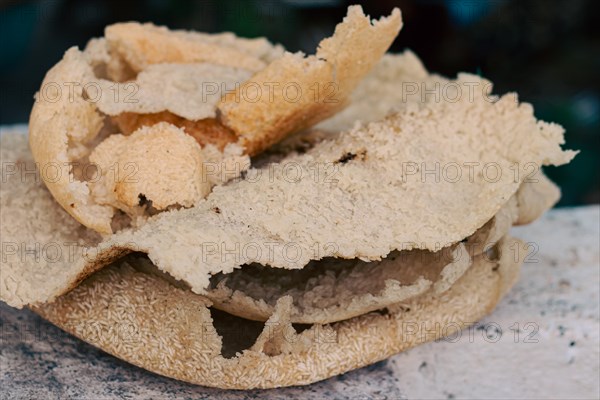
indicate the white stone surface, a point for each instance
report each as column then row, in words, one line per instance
column 555, row 305
column 555, row 354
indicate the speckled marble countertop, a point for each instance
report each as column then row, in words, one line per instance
column 541, row 342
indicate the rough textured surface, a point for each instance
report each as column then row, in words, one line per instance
column 206, row 131
column 558, row 293
column 137, row 171
column 331, row 290
column 60, row 121
column 141, row 45
column 320, row 84
column 145, row 320
column 43, row 246
column 191, row 91
column 167, row 73
column 41, row 262
column 66, row 126
column 288, row 94
column 387, row 88
column 252, row 216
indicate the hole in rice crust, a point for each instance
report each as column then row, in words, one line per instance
column 238, row 333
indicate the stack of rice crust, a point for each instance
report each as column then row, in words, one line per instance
column 239, row 237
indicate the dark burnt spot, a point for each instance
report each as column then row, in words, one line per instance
column 72, row 205
column 346, row 157
column 142, row 200
column 383, row 311
column 217, row 210
column 349, row 156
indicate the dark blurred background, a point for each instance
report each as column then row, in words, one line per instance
column 547, row 51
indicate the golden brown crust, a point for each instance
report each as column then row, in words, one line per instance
column 146, row 44
column 172, row 68
column 159, row 165
column 295, row 92
column 59, row 118
column 66, row 126
column 205, row 131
